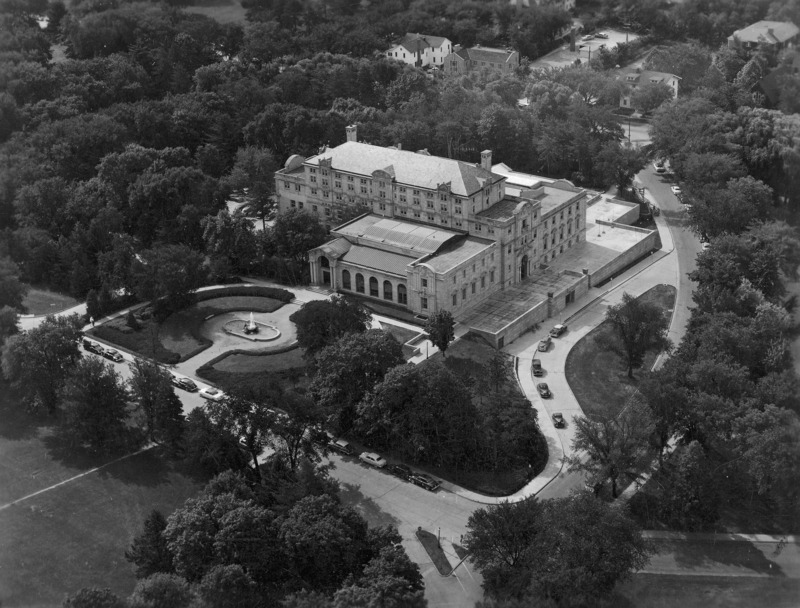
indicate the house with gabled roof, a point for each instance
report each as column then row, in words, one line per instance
column 768, row 37
column 638, row 77
column 481, row 58
column 421, row 50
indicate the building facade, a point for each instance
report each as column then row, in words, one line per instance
column 480, row 58
column 421, row 51
column 439, row 233
column 641, row 77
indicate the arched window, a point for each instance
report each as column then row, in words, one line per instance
column 387, row 290
column 402, row 295
column 373, row 287
column 359, row 282
column 346, row 279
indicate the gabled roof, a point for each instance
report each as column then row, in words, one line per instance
column 418, row 42
column 410, row 168
column 413, row 238
column 771, row 32
column 648, row 76
column 455, row 254
column 483, row 53
column 378, row 259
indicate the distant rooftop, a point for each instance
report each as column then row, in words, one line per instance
column 517, row 178
column 408, row 168
column 648, row 76
column 459, row 252
column 771, row 32
column 416, row 42
column 485, row 53
column 378, row 259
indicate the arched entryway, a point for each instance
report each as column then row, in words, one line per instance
column 523, row 270
column 326, row 270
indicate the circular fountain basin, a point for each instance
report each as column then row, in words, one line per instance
column 240, row 329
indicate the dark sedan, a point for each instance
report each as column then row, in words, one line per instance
column 544, row 390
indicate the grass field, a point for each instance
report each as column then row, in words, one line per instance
column 668, row 591
column 73, row 535
column 240, row 371
column 401, row 334
column 598, row 378
column 44, row 302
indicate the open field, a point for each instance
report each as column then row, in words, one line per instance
column 44, row 302
column 223, row 11
column 76, row 534
column 598, row 378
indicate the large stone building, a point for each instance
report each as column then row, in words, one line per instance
column 441, row 233
column 421, row 50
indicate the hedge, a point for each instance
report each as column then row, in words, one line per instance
column 275, row 293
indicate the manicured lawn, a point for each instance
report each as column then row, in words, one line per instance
column 76, row 534
column 668, row 591
column 431, row 545
column 598, row 378
column 240, row 370
column 179, row 338
column 43, row 302
column 401, row 334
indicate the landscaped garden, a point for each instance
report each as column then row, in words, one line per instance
column 597, row 376
column 179, row 336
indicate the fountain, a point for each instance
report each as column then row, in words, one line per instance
column 251, row 327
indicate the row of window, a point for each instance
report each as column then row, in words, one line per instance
column 402, row 293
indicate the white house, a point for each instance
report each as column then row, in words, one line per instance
column 420, row 50
column 640, row 77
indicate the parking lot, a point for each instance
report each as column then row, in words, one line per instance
column 563, row 56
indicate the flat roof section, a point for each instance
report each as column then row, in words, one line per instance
column 501, row 308
column 456, row 254
column 616, row 238
column 608, row 209
column 519, row 179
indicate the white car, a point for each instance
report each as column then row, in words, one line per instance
column 372, row 459
column 676, row 190
column 212, row 394
column 587, row 37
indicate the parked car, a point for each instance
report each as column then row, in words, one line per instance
column 544, row 390
column 659, row 166
column 112, row 354
column 425, row 481
column 587, row 37
column 93, row 347
column 545, row 344
column 536, row 367
column 558, row 420
column 558, row 330
column 400, row 470
column 341, row 446
column 601, row 35
column 186, row 384
column 372, row 459
column 212, row 394
column 676, row 190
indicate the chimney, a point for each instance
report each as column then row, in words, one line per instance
column 352, row 132
column 486, row 160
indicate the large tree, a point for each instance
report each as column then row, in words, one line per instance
column 351, row 367
column 169, row 275
column 38, row 361
column 613, row 443
column 149, row 551
column 571, row 551
column 321, row 322
column 94, row 406
column 12, row 291
column 634, row 328
column 440, row 329
column 151, row 386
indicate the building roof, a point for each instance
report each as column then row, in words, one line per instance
column 452, row 256
column 502, row 209
column 417, row 42
column 519, row 179
column 408, row 168
column 378, row 259
column 485, row 53
column 771, row 32
column 336, row 247
column 649, row 76
column 414, row 238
